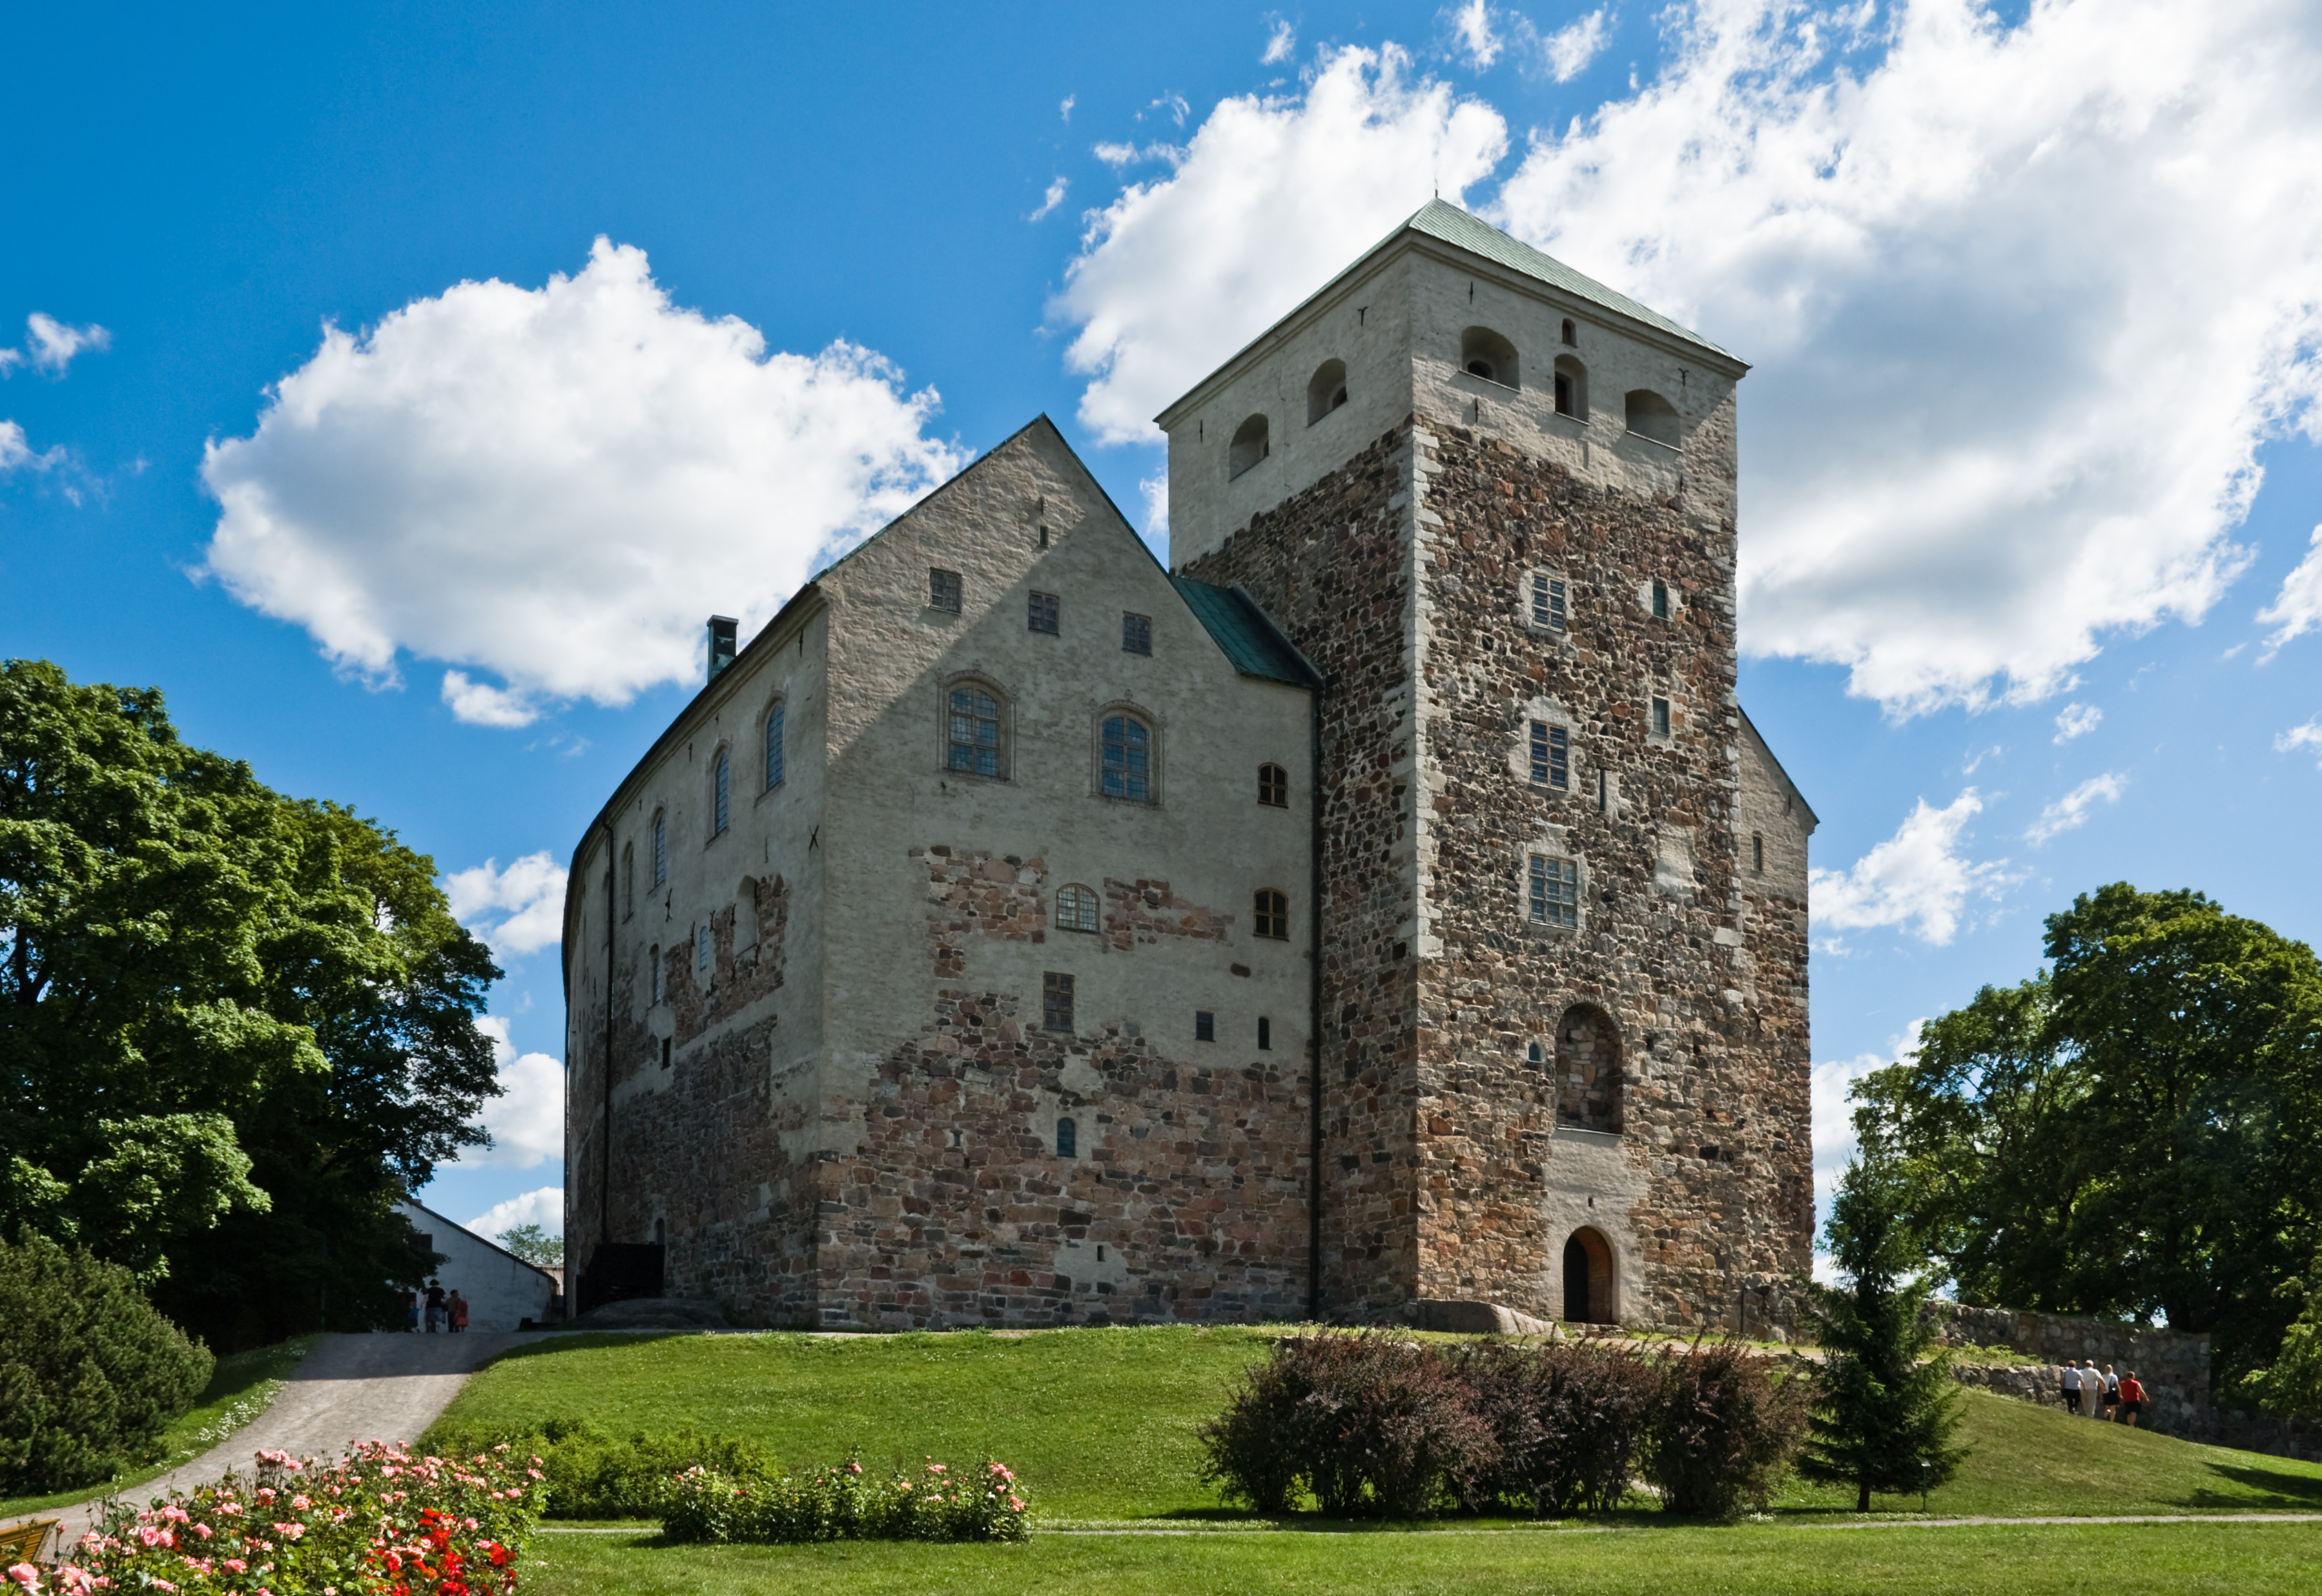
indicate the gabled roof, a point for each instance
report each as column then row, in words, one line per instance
column 1249, row 640
column 1441, row 219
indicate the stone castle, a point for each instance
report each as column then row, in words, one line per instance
column 1386, row 912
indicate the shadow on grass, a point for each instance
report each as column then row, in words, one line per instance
column 2281, row 1488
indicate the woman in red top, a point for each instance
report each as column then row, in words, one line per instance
column 2132, row 1400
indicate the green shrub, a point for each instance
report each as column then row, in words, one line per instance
column 848, row 1503
column 90, row 1374
column 1722, row 1429
column 592, row 1474
column 1567, row 1421
column 1373, row 1424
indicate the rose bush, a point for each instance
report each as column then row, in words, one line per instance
column 846, row 1503
column 377, row 1522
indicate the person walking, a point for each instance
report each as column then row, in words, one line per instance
column 434, row 1305
column 458, row 1306
column 2111, row 1393
column 2072, row 1388
column 2132, row 1400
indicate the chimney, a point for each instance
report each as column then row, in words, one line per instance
column 721, row 643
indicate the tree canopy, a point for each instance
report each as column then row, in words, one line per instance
column 233, row 1025
column 2134, row 1132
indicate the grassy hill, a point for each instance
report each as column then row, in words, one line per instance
column 1099, row 1422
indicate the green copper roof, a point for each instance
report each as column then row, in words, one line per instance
column 1443, row 219
column 1250, row 641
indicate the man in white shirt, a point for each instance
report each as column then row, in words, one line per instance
column 2072, row 1387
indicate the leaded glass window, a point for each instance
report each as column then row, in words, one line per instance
column 774, row 746
column 1040, row 613
column 1076, row 908
column 1547, row 600
column 1551, row 761
column 1554, row 888
column 1128, row 759
column 1069, row 1139
column 1271, row 912
column 1056, row 1001
column 1136, row 634
column 974, row 731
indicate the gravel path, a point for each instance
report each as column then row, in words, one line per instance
column 350, row 1387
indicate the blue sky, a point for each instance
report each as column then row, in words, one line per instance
column 2031, row 477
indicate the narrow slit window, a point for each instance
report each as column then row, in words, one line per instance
column 722, row 785
column 1548, row 601
column 1758, row 851
column 1554, row 890
column 1271, row 913
column 1265, row 1035
column 943, row 589
column 1660, row 599
column 654, row 957
column 1128, row 759
column 1076, row 908
column 1055, row 1001
column 974, row 738
column 1069, row 1139
column 1040, row 613
column 1273, row 787
column 1136, row 634
column 1661, row 717
column 665, row 1053
column 660, row 847
column 774, row 755
column 1205, row 1026
column 628, row 879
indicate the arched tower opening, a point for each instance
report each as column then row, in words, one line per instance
column 1588, row 1297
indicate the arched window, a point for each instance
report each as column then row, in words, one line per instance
column 1484, row 354
column 1076, row 908
column 1248, row 447
column 702, row 946
column 1326, row 390
column 1588, row 1278
column 1128, row 759
column 1273, row 787
column 774, row 745
column 1588, row 1070
column 1270, row 913
column 1069, row 1139
column 628, row 879
column 1651, row 416
column 721, row 791
column 660, row 846
column 1571, row 388
column 1571, row 333
column 654, row 957
column 973, row 730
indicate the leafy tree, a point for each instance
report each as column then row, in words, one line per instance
column 2136, row 1132
column 534, row 1244
column 2292, row 1386
column 234, row 1026
column 1887, row 1411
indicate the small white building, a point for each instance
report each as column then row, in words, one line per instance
column 501, row 1289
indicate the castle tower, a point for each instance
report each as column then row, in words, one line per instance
column 1562, row 882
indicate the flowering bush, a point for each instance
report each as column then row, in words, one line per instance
column 378, row 1522
column 845, row 1504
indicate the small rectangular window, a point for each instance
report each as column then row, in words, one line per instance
column 1552, row 755
column 1069, row 1139
column 1205, row 1026
column 1265, row 1035
column 943, row 589
column 1136, row 634
column 1273, row 787
column 1661, row 717
column 1040, row 613
column 701, row 946
column 1758, row 851
column 1660, row 599
column 1554, row 890
column 665, row 1053
column 1547, row 600
column 1055, row 1001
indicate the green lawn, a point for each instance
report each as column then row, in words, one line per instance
column 1099, row 1422
column 240, row 1388
column 1780, row 1560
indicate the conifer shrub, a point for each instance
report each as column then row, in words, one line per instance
column 1568, row 1420
column 1723, row 1427
column 592, row 1474
column 90, row 1372
column 1374, row 1424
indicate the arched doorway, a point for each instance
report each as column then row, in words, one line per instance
column 1588, row 1280
column 1588, row 1070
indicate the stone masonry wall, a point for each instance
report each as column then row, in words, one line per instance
column 1331, row 566
column 1185, row 1198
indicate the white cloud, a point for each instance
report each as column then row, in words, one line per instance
column 1272, row 196
column 517, row 910
column 544, row 1207
column 1570, row 49
column 52, row 344
column 1472, row 27
column 2023, row 300
column 2072, row 810
column 558, row 484
column 2077, row 720
column 2298, row 607
column 1051, row 200
column 2309, row 736
column 1154, row 490
column 480, row 703
column 1280, row 45
column 1918, row 877
column 16, row 454
column 1065, row 110
column 527, row 1119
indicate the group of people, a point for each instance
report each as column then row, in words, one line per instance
column 439, row 1309
column 2099, row 1393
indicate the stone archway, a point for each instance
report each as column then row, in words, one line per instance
column 1589, row 1295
